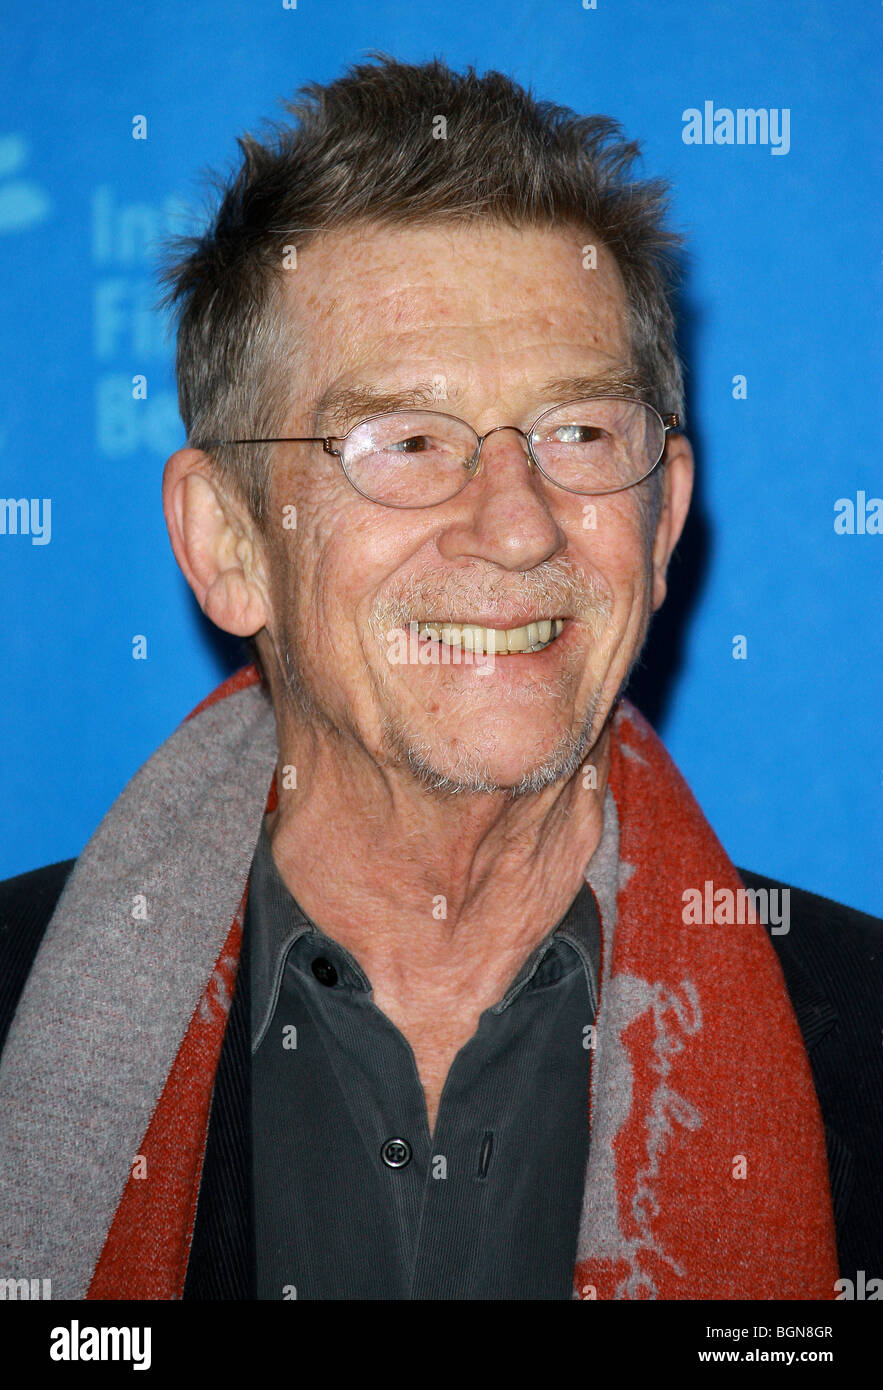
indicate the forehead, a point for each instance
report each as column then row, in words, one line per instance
column 373, row 302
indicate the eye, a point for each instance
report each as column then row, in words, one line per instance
column 577, row 434
column 416, row 444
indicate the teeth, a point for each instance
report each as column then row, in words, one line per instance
column 500, row 641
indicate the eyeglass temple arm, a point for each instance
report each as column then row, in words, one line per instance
column 324, row 440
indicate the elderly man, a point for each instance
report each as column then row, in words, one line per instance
column 505, row 1022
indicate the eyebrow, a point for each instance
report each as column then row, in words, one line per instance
column 620, row 381
column 349, row 404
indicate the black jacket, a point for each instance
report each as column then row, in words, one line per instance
column 832, row 960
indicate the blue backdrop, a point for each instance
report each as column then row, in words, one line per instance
column 783, row 747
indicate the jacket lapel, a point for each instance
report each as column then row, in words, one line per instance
column 221, row 1264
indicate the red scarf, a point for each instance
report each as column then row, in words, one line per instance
column 707, row 1174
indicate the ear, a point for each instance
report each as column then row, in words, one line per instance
column 678, row 471
column 216, row 544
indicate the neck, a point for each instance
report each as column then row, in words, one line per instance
column 374, row 857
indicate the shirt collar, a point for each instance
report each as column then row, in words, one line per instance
column 276, row 922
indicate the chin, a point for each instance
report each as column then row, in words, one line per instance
column 472, row 771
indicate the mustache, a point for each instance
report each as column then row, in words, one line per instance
column 558, row 589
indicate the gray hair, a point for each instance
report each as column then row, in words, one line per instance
column 362, row 149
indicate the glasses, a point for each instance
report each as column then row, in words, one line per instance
column 420, row 458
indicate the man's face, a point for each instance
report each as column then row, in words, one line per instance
column 497, row 321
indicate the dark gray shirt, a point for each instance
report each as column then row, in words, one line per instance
column 353, row 1198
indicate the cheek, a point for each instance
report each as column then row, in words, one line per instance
column 611, row 545
column 341, row 557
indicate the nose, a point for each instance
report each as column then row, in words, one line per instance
column 503, row 515
column 496, row 430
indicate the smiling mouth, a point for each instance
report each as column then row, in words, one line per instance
column 512, row 641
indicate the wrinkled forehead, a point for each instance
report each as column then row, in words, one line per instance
column 454, row 296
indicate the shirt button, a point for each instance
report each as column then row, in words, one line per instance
column 396, row 1153
column 324, row 971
